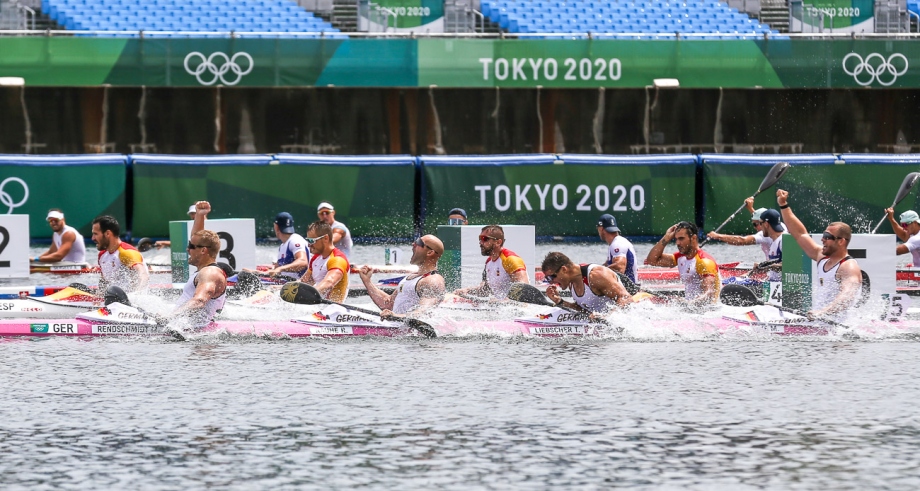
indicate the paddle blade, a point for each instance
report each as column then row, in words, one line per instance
column 247, row 284
column 423, row 328
column 116, row 294
column 522, row 292
column 145, row 244
column 738, row 296
column 301, row 293
column 81, row 287
column 904, row 190
column 774, row 175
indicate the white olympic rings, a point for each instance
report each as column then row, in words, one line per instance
column 883, row 71
column 5, row 197
column 229, row 64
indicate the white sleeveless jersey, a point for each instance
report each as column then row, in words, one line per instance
column 764, row 241
column 589, row 300
column 827, row 286
column 211, row 308
column 407, row 297
column 77, row 252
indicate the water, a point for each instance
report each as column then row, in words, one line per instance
column 473, row 413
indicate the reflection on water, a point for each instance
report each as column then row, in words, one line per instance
column 410, row 414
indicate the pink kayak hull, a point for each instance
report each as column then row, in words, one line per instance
column 275, row 329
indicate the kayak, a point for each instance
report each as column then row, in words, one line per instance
column 339, row 322
column 82, row 268
column 64, row 302
column 655, row 275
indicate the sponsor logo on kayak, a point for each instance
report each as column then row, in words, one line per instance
column 123, row 329
column 544, row 316
column 557, row 330
column 320, row 316
column 575, row 316
column 331, row 330
column 7, row 306
column 38, row 327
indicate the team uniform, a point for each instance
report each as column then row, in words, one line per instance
column 498, row 272
column 319, row 266
column 589, row 300
column 77, row 252
column 211, row 308
column 621, row 246
column 286, row 252
column 913, row 245
column 346, row 243
column 692, row 271
column 116, row 266
column 827, row 286
column 764, row 242
column 407, row 297
column 775, row 252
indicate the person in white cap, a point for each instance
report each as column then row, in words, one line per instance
column 165, row 243
column 66, row 243
column 908, row 230
column 341, row 236
column 758, row 238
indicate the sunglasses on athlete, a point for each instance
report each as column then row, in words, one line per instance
column 192, row 247
column 550, row 278
column 486, row 238
column 421, row 243
column 313, row 240
column 829, row 236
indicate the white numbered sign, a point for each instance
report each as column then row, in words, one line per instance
column 14, row 246
column 237, row 245
column 776, row 293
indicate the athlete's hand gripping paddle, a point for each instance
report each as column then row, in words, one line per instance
column 304, row 294
column 903, row 191
column 776, row 172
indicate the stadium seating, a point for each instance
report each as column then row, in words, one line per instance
column 268, row 18
column 640, row 18
column 914, row 6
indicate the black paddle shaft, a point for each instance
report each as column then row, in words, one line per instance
column 776, row 172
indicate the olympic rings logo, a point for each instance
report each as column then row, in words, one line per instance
column 7, row 200
column 875, row 68
column 228, row 64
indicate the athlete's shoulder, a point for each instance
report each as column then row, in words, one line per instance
column 706, row 264
column 337, row 260
column 511, row 261
column 128, row 255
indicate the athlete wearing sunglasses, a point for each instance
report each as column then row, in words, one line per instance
column 328, row 268
column 416, row 293
column 205, row 291
column 839, row 276
column 502, row 267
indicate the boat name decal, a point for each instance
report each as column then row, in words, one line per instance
column 7, row 306
column 123, row 329
column 342, row 318
column 331, row 330
column 556, row 330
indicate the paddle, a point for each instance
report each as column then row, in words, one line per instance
column 776, row 172
column 903, row 191
column 523, row 292
column 115, row 294
column 742, row 296
column 304, row 294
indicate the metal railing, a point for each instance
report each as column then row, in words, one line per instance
column 461, row 35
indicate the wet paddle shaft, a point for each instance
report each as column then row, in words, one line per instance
column 903, row 191
column 772, row 177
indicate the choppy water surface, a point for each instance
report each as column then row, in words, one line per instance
column 718, row 413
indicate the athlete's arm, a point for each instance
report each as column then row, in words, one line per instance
column 850, row 277
column 143, row 276
column 657, row 257
column 618, row 264
column 708, row 273
column 603, row 283
column 300, row 262
column 211, row 284
column 898, row 229
column 202, row 208
column 337, row 235
column 520, row 276
column 749, row 204
column 332, row 278
column 56, row 254
column 796, row 228
column 733, row 239
column 902, row 249
column 378, row 296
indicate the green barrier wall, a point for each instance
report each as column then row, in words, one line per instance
column 852, row 191
column 83, row 187
column 573, row 63
column 374, row 196
column 563, row 196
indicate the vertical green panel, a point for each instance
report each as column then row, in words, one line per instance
column 449, row 265
column 178, row 237
column 796, row 275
